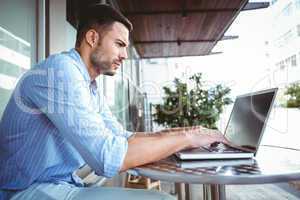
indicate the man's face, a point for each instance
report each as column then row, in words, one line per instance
column 108, row 55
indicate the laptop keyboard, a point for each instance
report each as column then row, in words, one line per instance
column 222, row 148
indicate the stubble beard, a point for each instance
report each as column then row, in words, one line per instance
column 99, row 64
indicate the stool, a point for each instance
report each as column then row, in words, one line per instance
column 141, row 182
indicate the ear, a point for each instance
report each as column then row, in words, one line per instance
column 92, row 37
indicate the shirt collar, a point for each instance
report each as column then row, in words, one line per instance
column 82, row 68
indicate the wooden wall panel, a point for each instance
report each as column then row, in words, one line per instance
column 173, row 49
column 205, row 26
column 169, row 5
column 159, row 25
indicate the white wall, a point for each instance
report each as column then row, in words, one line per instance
column 155, row 75
column 62, row 34
column 284, row 42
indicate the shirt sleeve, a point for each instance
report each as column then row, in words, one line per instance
column 60, row 92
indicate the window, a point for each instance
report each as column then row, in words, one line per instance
column 288, row 62
column 282, row 65
column 298, row 60
column 17, row 44
column 294, row 61
column 297, row 2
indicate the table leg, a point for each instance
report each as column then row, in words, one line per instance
column 179, row 190
column 214, row 192
column 187, row 192
column 183, row 191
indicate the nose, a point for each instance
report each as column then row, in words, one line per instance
column 123, row 54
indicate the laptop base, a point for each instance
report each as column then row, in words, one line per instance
column 203, row 154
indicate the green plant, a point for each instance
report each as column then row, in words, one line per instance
column 190, row 107
column 293, row 94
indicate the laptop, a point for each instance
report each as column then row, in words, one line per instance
column 244, row 129
column 190, row 164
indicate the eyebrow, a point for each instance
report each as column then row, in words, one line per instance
column 122, row 42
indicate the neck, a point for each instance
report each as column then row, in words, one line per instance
column 86, row 60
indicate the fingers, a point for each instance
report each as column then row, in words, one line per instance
column 222, row 139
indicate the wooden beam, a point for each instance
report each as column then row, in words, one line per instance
column 256, row 5
column 174, row 12
column 177, row 56
column 215, row 53
column 171, row 41
column 229, row 37
column 184, row 13
column 226, row 37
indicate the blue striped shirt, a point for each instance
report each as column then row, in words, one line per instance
column 55, row 122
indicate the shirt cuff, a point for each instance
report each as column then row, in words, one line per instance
column 128, row 134
column 113, row 155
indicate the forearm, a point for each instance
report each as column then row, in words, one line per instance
column 180, row 129
column 145, row 148
column 148, row 148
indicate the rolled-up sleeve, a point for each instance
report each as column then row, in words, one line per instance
column 61, row 94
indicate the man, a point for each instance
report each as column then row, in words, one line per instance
column 56, row 121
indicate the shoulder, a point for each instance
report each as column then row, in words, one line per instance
column 62, row 64
column 58, row 61
column 56, row 69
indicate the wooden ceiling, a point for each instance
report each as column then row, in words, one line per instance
column 175, row 28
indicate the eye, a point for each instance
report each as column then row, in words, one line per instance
column 119, row 44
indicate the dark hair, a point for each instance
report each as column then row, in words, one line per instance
column 99, row 17
column 98, row 25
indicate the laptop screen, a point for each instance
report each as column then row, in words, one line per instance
column 248, row 118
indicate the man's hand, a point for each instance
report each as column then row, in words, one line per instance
column 145, row 148
column 203, row 137
column 198, row 135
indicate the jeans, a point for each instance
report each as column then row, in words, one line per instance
column 51, row 191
